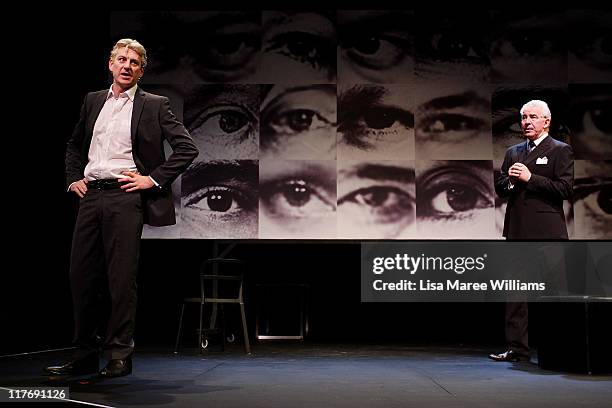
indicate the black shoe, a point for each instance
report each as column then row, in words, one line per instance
column 117, row 368
column 85, row 365
column 509, row 355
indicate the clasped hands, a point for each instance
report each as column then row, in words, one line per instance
column 518, row 171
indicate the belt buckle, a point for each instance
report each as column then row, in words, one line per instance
column 104, row 184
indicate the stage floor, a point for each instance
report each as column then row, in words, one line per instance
column 312, row 375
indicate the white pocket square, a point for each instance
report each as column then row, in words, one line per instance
column 542, row 160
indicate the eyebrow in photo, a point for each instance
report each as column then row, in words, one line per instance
column 380, row 172
column 267, row 88
column 465, row 99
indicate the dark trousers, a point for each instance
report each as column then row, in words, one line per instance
column 517, row 333
column 105, row 248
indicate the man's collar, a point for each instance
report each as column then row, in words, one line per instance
column 130, row 92
column 539, row 139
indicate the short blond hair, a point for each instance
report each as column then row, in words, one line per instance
column 132, row 45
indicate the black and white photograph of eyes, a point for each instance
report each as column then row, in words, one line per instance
column 298, row 47
column 297, row 199
column 455, row 199
column 298, row 122
column 590, row 118
column 195, row 46
column 529, row 47
column 375, row 122
column 506, row 103
column 223, row 121
column 453, row 121
column 592, row 199
column 375, row 46
column 590, row 50
column 452, row 44
column 376, row 200
column 220, row 200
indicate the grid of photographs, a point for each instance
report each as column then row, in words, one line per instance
column 337, row 124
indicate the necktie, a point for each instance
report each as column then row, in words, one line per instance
column 531, row 145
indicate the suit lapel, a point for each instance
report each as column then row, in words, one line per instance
column 522, row 152
column 540, row 150
column 139, row 100
column 96, row 108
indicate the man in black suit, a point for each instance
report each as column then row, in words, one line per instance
column 536, row 176
column 115, row 164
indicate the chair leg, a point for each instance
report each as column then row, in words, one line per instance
column 178, row 334
column 200, row 329
column 247, row 346
column 222, row 326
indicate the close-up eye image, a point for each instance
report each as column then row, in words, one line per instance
column 375, row 122
column 590, row 51
column 529, row 47
column 223, row 46
column 455, row 199
column 219, row 199
column 297, row 199
column 223, row 121
column 298, row 47
column 375, row 46
column 452, row 44
column 196, row 46
column 590, row 119
column 506, row 103
column 298, row 122
column 376, row 200
column 453, row 121
column 592, row 199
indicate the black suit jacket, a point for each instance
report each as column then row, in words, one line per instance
column 535, row 208
column 152, row 123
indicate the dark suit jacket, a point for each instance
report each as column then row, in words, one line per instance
column 152, row 122
column 535, row 208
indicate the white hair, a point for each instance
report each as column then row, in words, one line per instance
column 541, row 104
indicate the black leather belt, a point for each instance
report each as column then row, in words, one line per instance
column 104, row 184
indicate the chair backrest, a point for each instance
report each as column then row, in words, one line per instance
column 216, row 270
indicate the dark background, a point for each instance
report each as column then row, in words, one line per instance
column 64, row 56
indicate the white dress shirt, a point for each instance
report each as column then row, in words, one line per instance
column 110, row 152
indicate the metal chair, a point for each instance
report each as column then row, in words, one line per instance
column 213, row 279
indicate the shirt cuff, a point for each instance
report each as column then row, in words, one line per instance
column 155, row 182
